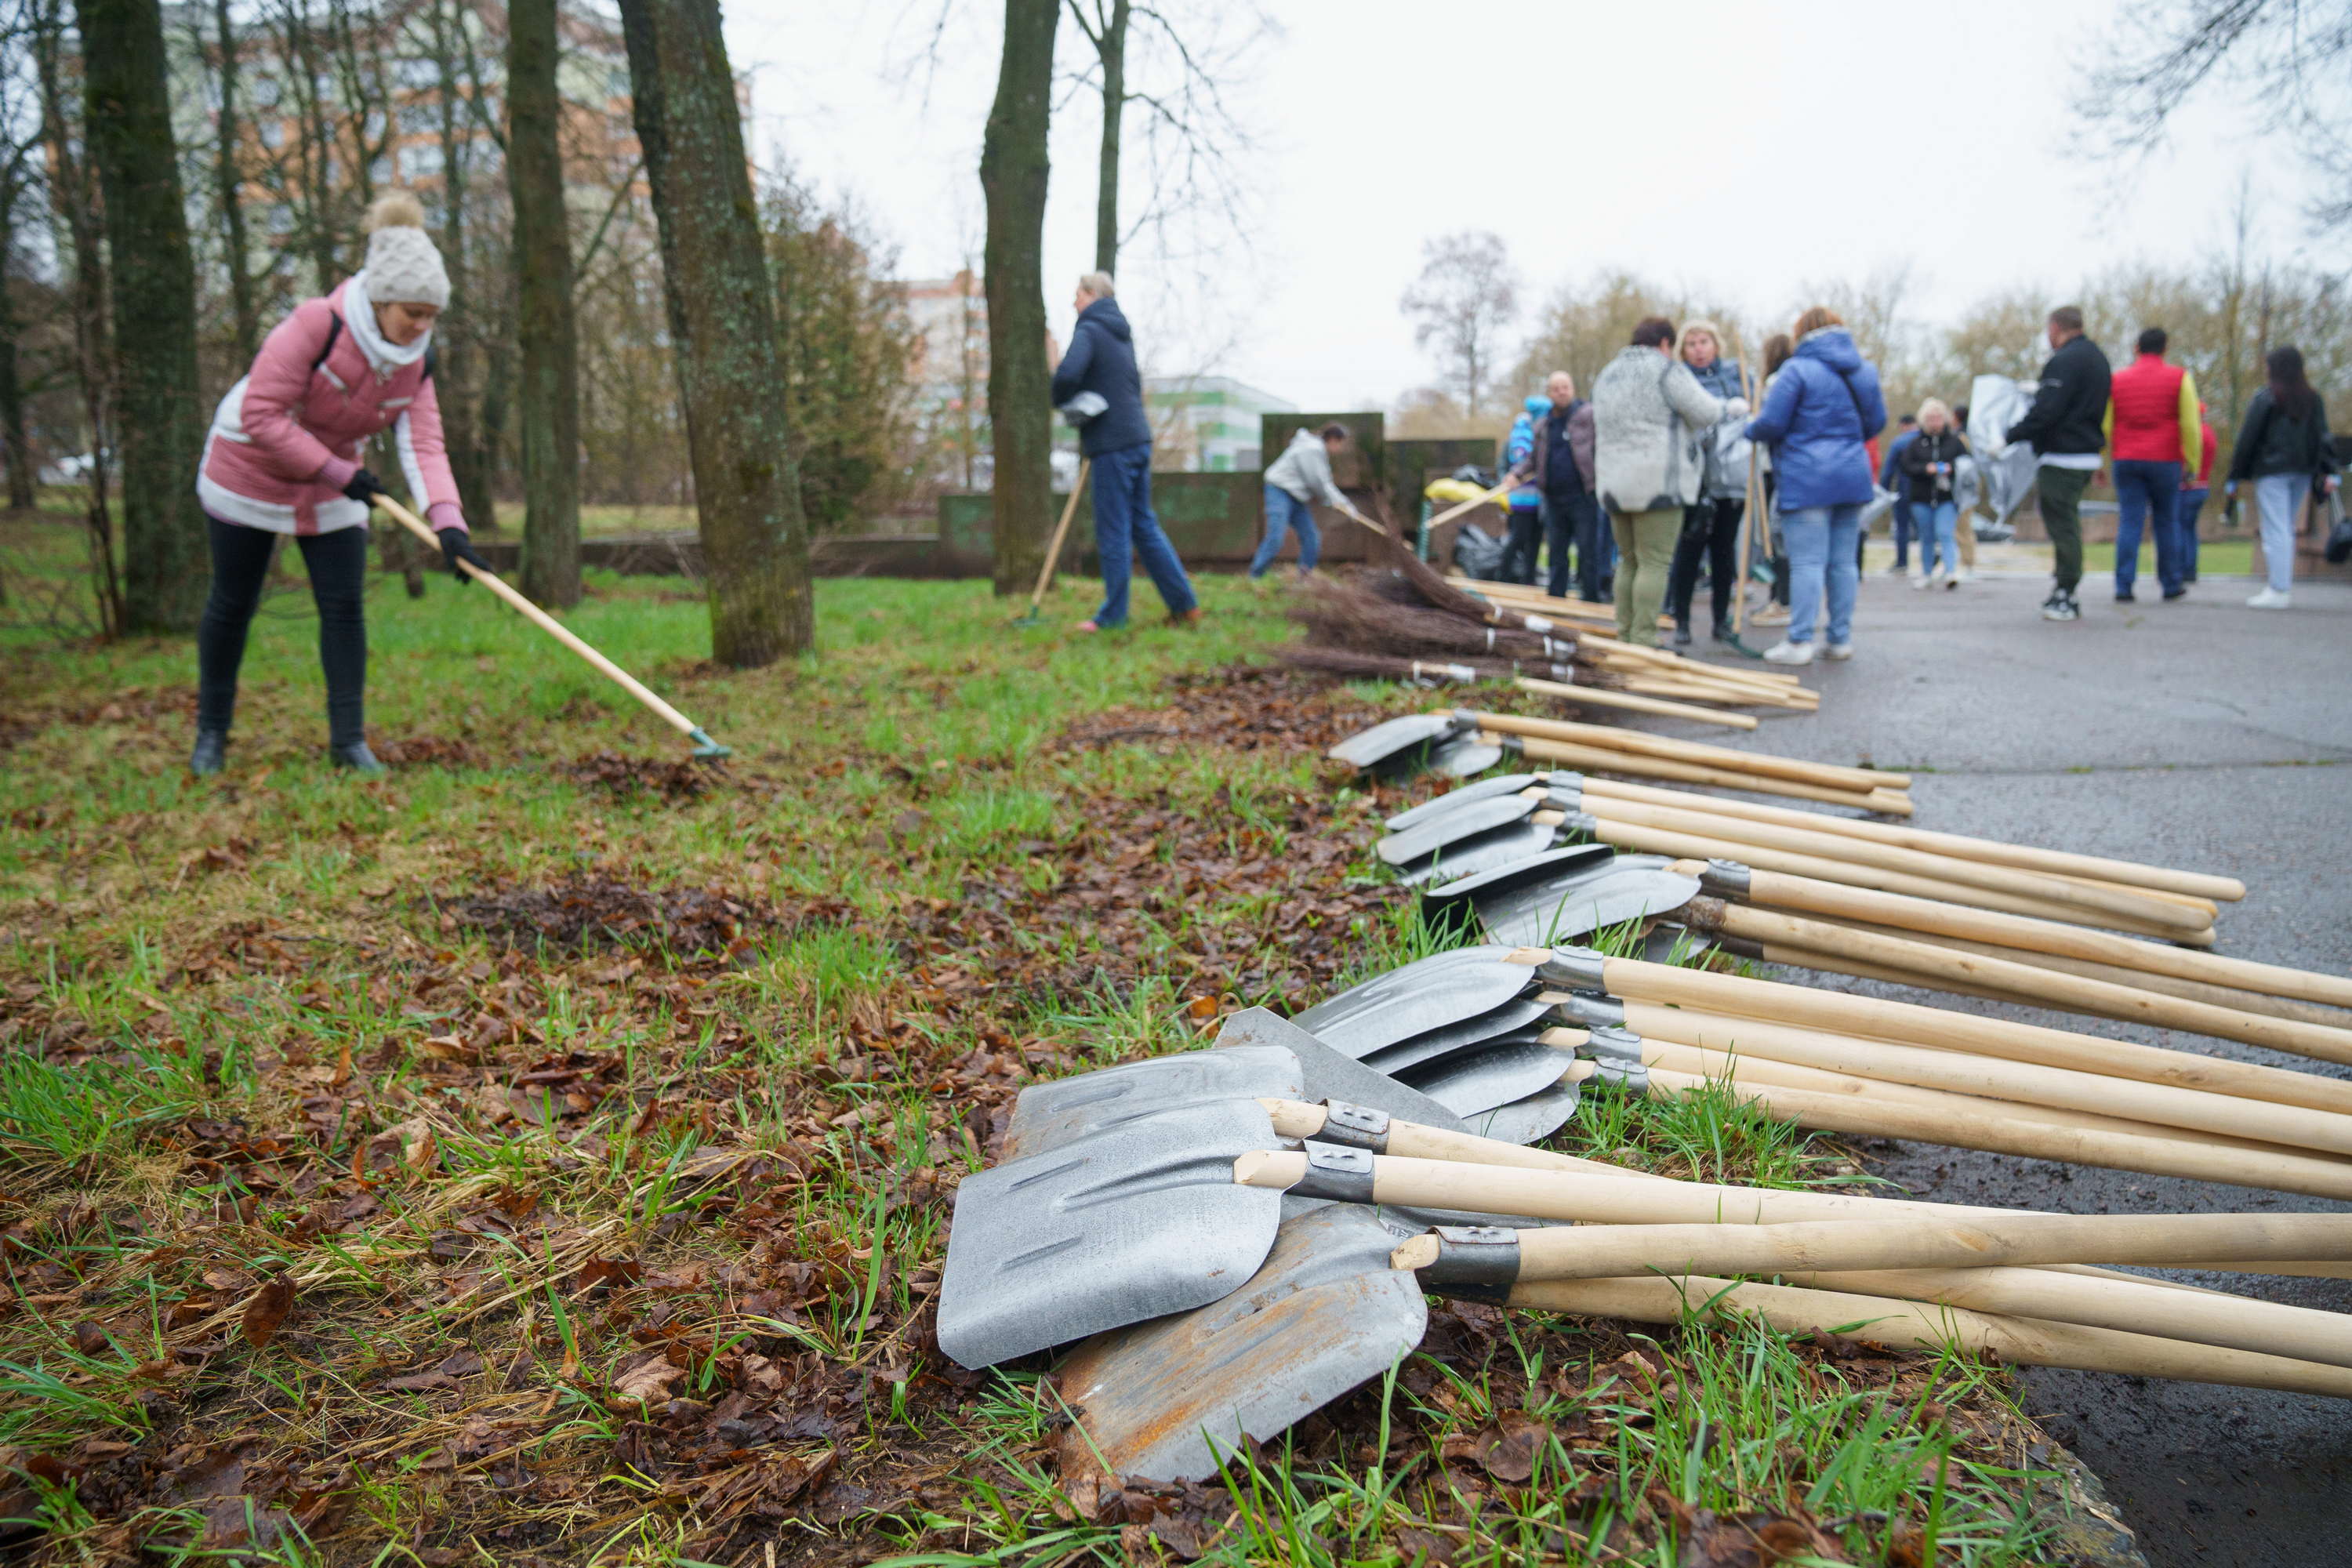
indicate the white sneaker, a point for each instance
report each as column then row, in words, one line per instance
column 1918, row 581
column 1790, row 652
column 2268, row 599
column 1838, row 650
column 1960, row 576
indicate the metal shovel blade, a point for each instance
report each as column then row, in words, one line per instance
column 1452, row 901
column 1454, row 800
column 1049, row 1115
column 1464, row 756
column 1500, row 847
column 1325, row 1314
column 1331, row 1076
column 1115, row 1227
column 1538, row 1116
column 1423, row 839
column 1428, row 994
column 1508, row 1019
column 1545, row 913
column 1496, row 1076
column 1391, row 738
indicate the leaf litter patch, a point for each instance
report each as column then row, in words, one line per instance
column 590, row 911
column 1242, row 707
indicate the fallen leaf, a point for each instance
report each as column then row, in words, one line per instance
column 267, row 1310
column 650, row 1380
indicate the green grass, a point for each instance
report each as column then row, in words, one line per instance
column 248, row 1032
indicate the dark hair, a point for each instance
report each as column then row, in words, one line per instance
column 2069, row 317
column 1652, row 333
column 1777, row 350
column 1960, row 415
column 1908, row 419
column 2154, row 341
column 2290, row 389
column 1334, row 431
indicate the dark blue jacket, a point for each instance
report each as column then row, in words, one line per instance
column 1101, row 359
column 1824, row 403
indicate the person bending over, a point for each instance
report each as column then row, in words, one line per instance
column 1294, row 482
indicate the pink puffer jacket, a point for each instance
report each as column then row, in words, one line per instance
column 286, row 438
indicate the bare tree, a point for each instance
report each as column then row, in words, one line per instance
column 723, row 325
column 224, row 51
column 1583, row 325
column 1467, row 293
column 20, row 144
column 549, row 343
column 1012, row 175
column 465, row 117
column 2288, row 56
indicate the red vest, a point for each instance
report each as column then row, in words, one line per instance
column 2146, row 396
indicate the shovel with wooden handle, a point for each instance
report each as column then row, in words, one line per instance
column 1054, row 550
column 704, row 746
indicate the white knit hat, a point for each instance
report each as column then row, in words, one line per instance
column 403, row 264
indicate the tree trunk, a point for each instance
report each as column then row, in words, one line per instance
column 464, row 324
column 1112, row 49
column 158, row 419
column 17, row 449
column 1013, row 170
column 551, row 351
column 723, row 332
column 230, row 181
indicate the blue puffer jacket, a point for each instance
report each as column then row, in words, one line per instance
column 1101, row 359
column 1519, row 451
column 1823, row 406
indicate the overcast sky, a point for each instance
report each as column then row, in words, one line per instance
column 1739, row 149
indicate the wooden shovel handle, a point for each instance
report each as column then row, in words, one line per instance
column 1603, row 1252
column 1061, row 532
column 2027, row 1341
column 1601, row 758
column 1856, row 780
column 1873, row 1018
column 1601, row 696
column 1473, row 503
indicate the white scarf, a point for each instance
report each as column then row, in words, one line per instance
column 383, row 355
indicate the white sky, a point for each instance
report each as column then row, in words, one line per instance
column 1735, row 149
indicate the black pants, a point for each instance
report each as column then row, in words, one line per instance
column 1522, row 544
column 1574, row 519
column 1712, row 528
column 338, row 567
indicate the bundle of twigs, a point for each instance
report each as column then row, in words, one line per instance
column 1338, row 615
column 1361, row 664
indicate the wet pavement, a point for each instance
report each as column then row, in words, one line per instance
column 2200, row 734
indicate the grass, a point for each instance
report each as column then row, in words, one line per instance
column 593, row 1122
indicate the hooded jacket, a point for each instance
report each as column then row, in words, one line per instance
column 2070, row 407
column 2273, row 441
column 1651, row 420
column 1819, row 413
column 288, row 436
column 1304, row 470
column 1101, row 360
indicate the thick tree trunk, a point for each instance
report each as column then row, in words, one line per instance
column 158, row 420
column 17, row 447
column 230, row 179
column 723, row 331
column 464, row 323
column 1013, row 170
column 1112, row 48
column 551, row 351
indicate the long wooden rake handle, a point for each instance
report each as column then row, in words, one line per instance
column 1858, row 780
column 1061, row 532
column 1602, row 697
column 1602, row 759
column 704, row 744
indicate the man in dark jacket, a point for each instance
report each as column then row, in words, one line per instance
column 2066, row 426
column 1117, row 440
column 1561, row 465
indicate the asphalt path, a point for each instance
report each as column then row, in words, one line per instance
column 2199, row 734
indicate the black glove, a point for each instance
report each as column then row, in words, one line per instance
column 456, row 547
column 363, row 487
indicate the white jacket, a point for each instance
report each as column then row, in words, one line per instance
column 1304, row 471
column 1651, row 420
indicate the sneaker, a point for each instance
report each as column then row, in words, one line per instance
column 1962, row 575
column 1772, row 616
column 1898, row 569
column 1682, row 633
column 2125, row 596
column 1191, row 617
column 1790, row 652
column 210, row 753
column 1920, row 579
column 2060, row 606
column 2176, row 593
column 2268, row 599
column 356, row 758
column 1952, row 579
column 1089, row 627
column 1840, row 651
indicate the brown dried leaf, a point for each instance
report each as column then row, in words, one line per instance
column 267, row 1310
column 650, row 1379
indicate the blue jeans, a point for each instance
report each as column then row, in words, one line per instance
column 1284, row 512
column 1126, row 529
column 1938, row 530
column 1902, row 522
column 2151, row 490
column 1821, row 541
column 2187, row 510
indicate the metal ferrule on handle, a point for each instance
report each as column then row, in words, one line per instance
column 1355, row 1127
column 1343, row 1175
column 1474, row 1263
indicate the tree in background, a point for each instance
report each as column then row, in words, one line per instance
column 159, row 420
column 844, row 343
column 1583, row 325
column 1013, row 174
column 550, row 361
column 723, row 323
column 1467, row 293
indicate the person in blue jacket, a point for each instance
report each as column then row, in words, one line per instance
column 1525, row 535
column 1821, row 408
column 1117, row 442
column 1899, row 516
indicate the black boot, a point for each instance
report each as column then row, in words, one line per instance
column 1681, row 631
column 356, row 757
column 210, row 753
column 1722, row 632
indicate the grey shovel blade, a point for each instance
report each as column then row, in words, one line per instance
column 1393, row 737
column 1115, row 1227
column 1545, row 913
column 1481, row 1080
column 1528, row 1121
column 1329, row 1075
column 1464, row 756
column 1049, row 1115
column 1459, row 894
column 1325, row 1314
column 1424, row 839
column 1468, row 794
column 1506, row 1019
column 1470, row 857
column 1428, row 994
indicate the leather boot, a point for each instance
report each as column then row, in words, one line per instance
column 1681, row 631
column 356, row 757
column 210, row 753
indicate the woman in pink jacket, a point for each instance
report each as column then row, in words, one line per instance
column 284, row 456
